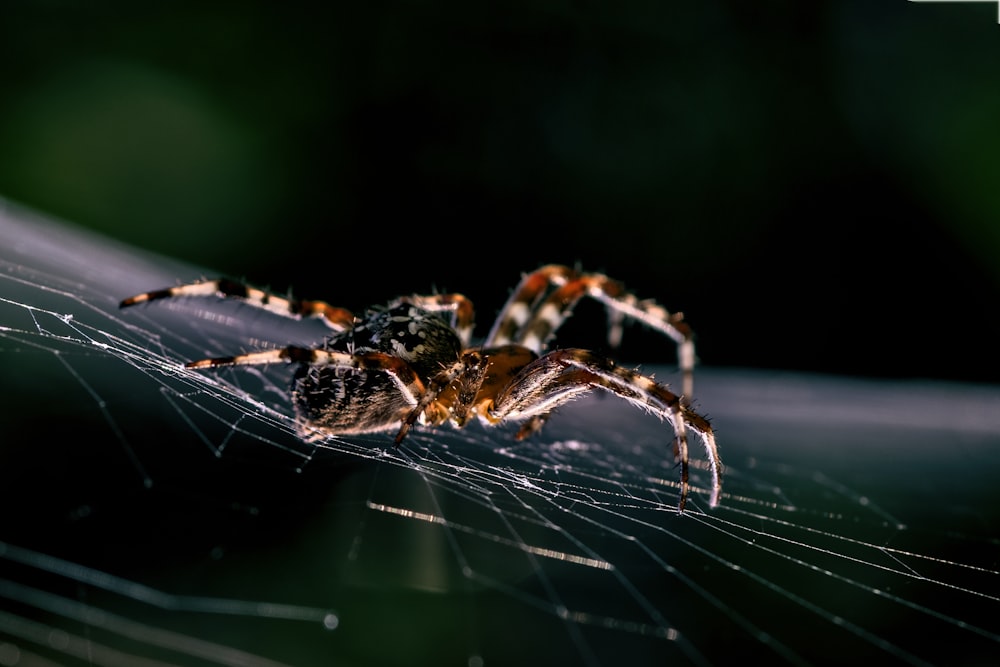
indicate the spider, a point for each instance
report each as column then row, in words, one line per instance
column 411, row 361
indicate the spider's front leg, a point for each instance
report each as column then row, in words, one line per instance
column 558, row 376
column 546, row 297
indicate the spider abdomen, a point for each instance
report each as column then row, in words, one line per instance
column 345, row 402
column 339, row 400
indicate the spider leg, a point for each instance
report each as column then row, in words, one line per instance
column 545, row 298
column 403, row 376
column 561, row 375
column 434, row 388
column 460, row 307
column 338, row 319
column 523, row 301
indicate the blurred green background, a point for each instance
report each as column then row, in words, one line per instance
column 815, row 184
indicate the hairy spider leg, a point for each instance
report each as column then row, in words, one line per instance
column 338, row 319
column 429, row 398
column 462, row 313
column 651, row 314
column 533, row 313
column 524, row 300
column 557, row 377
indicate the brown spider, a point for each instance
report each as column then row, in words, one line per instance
column 411, row 361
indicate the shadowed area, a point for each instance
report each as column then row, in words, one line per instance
column 152, row 511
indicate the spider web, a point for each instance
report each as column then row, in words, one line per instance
column 156, row 515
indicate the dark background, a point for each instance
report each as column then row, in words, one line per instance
column 815, row 184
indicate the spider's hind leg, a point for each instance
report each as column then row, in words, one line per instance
column 338, row 319
column 403, row 382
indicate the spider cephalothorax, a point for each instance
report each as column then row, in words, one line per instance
column 411, row 362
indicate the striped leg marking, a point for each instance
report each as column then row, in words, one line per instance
column 559, row 376
column 403, row 376
column 522, row 303
column 545, row 298
column 337, row 319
